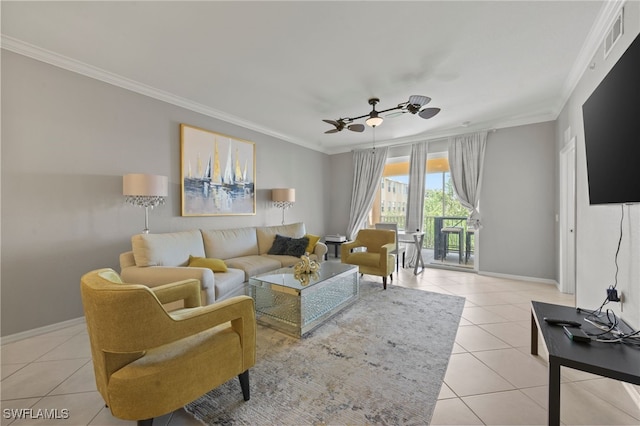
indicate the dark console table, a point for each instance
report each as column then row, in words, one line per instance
column 335, row 245
column 615, row 360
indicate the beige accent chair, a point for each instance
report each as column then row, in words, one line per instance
column 378, row 258
column 149, row 362
column 399, row 249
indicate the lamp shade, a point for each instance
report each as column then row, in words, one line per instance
column 284, row 195
column 145, row 185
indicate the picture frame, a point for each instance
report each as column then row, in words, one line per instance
column 217, row 173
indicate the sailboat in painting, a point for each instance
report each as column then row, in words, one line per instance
column 222, row 191
column 216, row 179
column 199, row 182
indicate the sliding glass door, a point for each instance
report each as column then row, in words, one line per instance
column 441, row 207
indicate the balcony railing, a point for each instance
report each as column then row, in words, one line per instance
column 428, row 227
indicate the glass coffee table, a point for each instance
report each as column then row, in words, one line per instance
column 294, row 306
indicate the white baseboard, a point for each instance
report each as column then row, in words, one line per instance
column 520, row 278
column 41, row 330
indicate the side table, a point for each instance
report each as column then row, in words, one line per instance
column 418, row 240
column 335, row 245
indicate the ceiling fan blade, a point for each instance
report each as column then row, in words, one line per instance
column 428, row 112
column 419, row 100
column 332, row 131
column 356, row 127
column 332, row 122
column 395, row 114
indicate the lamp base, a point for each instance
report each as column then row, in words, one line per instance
column 146, row 220
column 283, row 205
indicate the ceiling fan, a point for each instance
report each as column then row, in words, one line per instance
column 414, row 106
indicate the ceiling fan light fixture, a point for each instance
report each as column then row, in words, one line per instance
column 374, row 120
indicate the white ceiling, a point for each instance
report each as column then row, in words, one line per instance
column 282, row 67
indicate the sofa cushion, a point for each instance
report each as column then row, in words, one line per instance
column 267, row 234
column 283, row 259
column 229, row 284
column 170, row 249
column 365, row 258
column 230, row 243
column 253, row 265
column 216, row 265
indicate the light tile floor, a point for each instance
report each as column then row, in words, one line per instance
column 491, row 379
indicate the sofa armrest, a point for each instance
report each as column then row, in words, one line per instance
column 320, row 250
column 154, row 276
column 127, row 260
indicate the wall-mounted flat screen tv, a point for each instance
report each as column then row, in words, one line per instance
column 612, row 132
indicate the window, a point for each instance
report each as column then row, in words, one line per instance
column 391, row 205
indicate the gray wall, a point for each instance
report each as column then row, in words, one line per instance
column 598, row 227
column 341, row 184
column 66, row 142
column 517, row 202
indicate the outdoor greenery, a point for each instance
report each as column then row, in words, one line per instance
column 434, row 201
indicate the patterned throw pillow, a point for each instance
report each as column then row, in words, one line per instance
column 296, row 246
column 279, row 245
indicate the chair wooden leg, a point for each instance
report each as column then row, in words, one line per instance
column 244, row 384
column 146, row 422
column 384, row 282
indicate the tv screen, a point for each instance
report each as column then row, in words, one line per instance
column 612, row 132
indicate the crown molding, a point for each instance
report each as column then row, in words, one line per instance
column 34, row 52
column 609, row 11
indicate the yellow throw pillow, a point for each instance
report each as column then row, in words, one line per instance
column 216, row 265
column 313, row 240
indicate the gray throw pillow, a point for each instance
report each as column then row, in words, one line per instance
column 279, row 245
column 296, row 246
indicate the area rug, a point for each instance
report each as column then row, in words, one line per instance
column 381, row 360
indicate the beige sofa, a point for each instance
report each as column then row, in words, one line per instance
column 157, row 259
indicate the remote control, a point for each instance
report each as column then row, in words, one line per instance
column 577, row 335
column 556, row 321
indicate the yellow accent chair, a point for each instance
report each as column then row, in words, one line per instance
column 149, row 362
column 378, row 258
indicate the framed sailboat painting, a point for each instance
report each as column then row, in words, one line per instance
column 218, row 173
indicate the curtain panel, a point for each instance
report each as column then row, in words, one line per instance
column 466, row 160
column 415, row 198
column 368, row 166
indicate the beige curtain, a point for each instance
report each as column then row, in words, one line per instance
column 466, row 159
column 368, row 166
column 415, row 198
